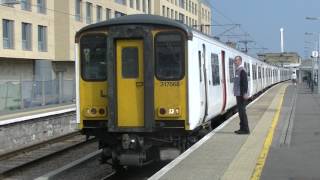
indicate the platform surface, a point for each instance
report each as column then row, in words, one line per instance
column 295, row 151
column 224, row 154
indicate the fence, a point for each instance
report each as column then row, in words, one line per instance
column 15, row 95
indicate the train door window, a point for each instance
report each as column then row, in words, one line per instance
column 169, row 56
column 231, row 69
column 199, row 59
column 259, row 72
column 130, row 66
column 248, row 71
column 93, row 54
column 254, row 72
column 215, row 69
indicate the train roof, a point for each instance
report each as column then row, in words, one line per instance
column 139, row 19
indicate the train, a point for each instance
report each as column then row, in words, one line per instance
column 147, row 85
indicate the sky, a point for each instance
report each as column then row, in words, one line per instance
column 262, row 19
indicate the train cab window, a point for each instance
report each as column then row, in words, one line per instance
column 93, row 56
column 231, row 69
column 130, row 66
column 215, row 69
column 169, row 56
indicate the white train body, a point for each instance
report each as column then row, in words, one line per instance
column 209, row 96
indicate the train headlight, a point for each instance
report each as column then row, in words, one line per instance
column 169, row 112
column 95, row 112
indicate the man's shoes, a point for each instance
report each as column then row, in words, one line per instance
column 240, row 131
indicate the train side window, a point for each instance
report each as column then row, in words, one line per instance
column 248, row 71
column 130, row 66
column 254, row 69
column 93, row 54
column 259, row 72
column 215, row 69
column 231, row 69
column 169, row 56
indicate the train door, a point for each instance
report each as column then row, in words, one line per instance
column 130, row 83
column 205, row 79
column 202, row 87
column 223, row 80
column 216, row 90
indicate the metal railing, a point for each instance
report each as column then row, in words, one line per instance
column 16, row 95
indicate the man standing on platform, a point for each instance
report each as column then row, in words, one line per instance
column 240, row 90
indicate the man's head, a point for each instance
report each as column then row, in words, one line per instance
column 238, row 61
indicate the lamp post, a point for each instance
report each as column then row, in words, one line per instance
column 315, row 76
column 318, row 63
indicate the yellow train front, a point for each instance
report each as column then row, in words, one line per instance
column 132, row 87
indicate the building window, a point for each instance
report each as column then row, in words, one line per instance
column 172, row 14
column 187, row 20
column 7, row 26
column 89, row 13
column 26, row 36
column 187, row 5
column 138, row 4
column 123, row 2
column 42, row 6
column 176, row 15
column 108, row 14
column 99, row 13
column 192, row 8
column 144, row 7
column 163, row 11
column 181, row 3
column 196, row 9
column 181, row 17
column 168, row 12
column 42, row 38
column 131, row 3
column 118, row 14
column 78, row 13
column 25, row 5
column 149, row 7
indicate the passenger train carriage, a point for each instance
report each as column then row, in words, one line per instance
column 147, row 84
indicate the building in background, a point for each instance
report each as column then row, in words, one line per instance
column 37, row 42
column 284, row 59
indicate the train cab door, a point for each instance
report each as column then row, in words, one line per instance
column 130, row 83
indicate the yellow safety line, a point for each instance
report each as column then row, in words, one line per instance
column 264, row 153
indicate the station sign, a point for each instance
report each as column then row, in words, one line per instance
column 315, row 54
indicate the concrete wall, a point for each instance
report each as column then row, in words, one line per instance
column 22, row 134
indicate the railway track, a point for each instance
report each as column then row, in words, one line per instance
column 13, row 161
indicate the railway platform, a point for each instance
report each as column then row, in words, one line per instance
column 284, row 142
column 30, row 126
